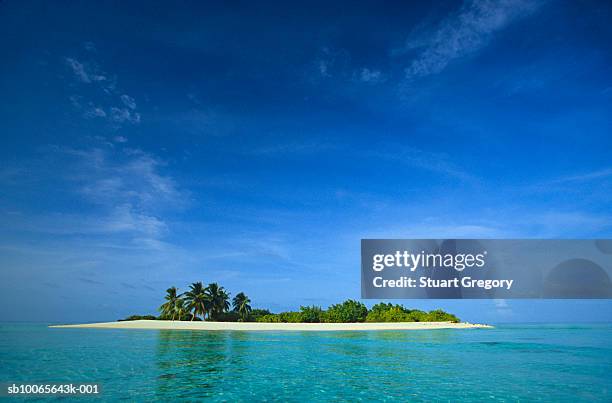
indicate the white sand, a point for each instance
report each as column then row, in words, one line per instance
column 255, row 326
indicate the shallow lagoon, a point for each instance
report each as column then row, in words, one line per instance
column 510, row 362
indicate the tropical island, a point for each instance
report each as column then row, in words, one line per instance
column 211, row 308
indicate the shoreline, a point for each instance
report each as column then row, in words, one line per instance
column 261, row 326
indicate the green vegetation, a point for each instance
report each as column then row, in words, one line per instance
column 311, row 314
column 258, row 313
column 349, row 311
column 212, row 302
column 353, row 311
column 242, row 306
column 218, row 301
column 197, row 300
column 169, row 309
column 397, row 313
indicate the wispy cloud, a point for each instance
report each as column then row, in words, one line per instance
column 503, row 310
column 437, row 228
column 585, row 177
column 112, row 229
column 324, row 67
column 94, row 112
column 331, row 63
column 463, row 33
column 123, row 115
column 503, row 222
column 290, row 149
column 128, row 101
column 551, row 224
column 127, row 177
column 120, row 109
column 370, row 76
column 124, row 191
column 436, row 162
column 117, row 220
column 86, row 73
column 430, row 161
column 591, row 185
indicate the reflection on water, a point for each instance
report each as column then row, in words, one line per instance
column 518, row 363
column 199, row 360
column 201, row 363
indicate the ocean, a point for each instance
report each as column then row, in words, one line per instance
column 509, row 363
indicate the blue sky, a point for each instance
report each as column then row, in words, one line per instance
column 145, row 146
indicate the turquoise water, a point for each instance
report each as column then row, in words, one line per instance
column 527, row 362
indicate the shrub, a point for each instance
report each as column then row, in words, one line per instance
column 256, row 314
column 389, row 313
column 311, row 314
column 230, row 316
column 377, row 313
column 283, row 317
column 347, row 312
column 290, row 317
column 440, row 316
column 417, row 315
column 397, row 313
column 269, row 318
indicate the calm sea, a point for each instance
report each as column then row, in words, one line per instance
column 508, row 363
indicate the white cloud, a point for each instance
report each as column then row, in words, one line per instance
column 585, row 177
column 95, row 112
column 123, row 115
column 501, row 303
column 85, row 73
column 128, row 101
column 502, row 308
column 324, row 67
column 125, row 219
column 119, row 220
column 332, row 63
column 371, row 76
column 591, row 185
column 551, row 224
column 129, row 178
column 283, row 149
column 464, row 33
column 89, row 46
column 430, row 161
column 116, row 107
column 435, row 229
column 78, row 69
column 124, row 200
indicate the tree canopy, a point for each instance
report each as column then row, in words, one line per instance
column 212, row 302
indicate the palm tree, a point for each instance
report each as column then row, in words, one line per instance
column 180, row 309
column 219, row 300
column 197, row 300
column 242, row 305
column 169, row 307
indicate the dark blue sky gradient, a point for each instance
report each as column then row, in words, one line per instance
column 146, row 145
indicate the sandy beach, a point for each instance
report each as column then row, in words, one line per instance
column 257, row 326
